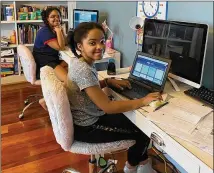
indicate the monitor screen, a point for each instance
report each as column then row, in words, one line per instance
column 150, row 69
column 184, row 43
column 81, row 15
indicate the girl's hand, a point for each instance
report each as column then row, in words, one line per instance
column 151, row 97
column 58, row 28
column 120, row 84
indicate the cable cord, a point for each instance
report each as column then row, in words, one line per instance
column 166, row 162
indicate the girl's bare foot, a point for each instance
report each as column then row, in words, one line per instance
column 43, row 104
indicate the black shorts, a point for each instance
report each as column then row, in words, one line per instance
column 52, row 64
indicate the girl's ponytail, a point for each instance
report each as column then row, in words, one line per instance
column 43, row 14
column 71, row 42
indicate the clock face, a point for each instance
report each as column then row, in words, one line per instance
column 150, row 9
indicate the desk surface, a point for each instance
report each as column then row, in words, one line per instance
column 200, row 154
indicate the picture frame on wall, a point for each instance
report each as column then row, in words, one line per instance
column 150, row 9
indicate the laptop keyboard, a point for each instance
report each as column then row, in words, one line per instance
column 134, row 93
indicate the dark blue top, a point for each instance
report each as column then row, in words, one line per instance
column 42, row 53
column 44, row 35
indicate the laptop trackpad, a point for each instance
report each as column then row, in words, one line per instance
column 131, row 93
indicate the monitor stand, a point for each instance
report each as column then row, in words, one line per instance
column 175, row 86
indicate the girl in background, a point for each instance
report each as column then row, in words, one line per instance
column 97, row 119
column 50, row 39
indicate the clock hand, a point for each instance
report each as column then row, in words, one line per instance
column 151, row 4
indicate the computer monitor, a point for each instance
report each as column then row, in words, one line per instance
column 82, row 15
column 182, row 42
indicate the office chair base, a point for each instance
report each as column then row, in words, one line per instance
column 26, row 107
column 92, row 163
column 93, row 169
column 109, row 168
column 32, row 96
column 29, row 101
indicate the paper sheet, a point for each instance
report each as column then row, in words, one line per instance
column 201, row 137
column 193, row 108
column 182, row 114
column 166, row 117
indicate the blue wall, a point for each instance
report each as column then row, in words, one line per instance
column 119, row 14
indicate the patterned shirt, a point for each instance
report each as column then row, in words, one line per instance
column 81, row 76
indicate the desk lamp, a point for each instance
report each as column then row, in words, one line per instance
column 109, row 41
column 136, row 23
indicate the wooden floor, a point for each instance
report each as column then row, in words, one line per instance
column 29, row 145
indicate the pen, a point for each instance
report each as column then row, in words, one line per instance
column 161, row 106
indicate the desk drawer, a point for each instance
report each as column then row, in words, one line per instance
column 171, row 147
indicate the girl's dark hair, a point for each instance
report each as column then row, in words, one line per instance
column 81, row 31
column 46, row 12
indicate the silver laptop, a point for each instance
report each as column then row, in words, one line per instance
column 148, row 74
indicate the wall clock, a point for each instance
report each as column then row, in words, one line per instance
column 150, row 8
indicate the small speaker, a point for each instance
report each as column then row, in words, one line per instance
column 111, row 69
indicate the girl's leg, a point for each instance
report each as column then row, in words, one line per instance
column 61, row 73
column 64, row 65
column 116, row 127
column 137, row 154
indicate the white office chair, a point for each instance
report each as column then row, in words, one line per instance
column 29, row 69
column 61, row 118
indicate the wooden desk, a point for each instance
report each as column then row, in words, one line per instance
column 191, row 158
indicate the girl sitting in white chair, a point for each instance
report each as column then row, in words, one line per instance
column 97, row 119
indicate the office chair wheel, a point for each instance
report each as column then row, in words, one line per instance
column 26, row 102
column 21, row 116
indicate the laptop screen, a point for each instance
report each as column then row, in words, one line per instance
column 150, row 69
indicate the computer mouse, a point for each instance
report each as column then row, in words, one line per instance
column 156, row 103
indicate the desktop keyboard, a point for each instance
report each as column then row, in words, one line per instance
column 202, row 94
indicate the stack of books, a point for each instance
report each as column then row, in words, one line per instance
column 9, row 63
column 7, row 12
column 5, row 41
